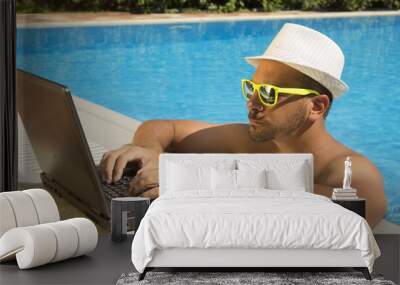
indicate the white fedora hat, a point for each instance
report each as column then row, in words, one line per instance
column 309, row 52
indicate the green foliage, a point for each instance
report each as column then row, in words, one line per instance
column 225, row 6
column 269, row 6
column 338, row 5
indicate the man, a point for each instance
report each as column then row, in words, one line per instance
column 289, row 97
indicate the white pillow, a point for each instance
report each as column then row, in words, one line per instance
column 281, row 174
column 228, row 179
column 223, row 179
column 251, row 178
column 186, row 177
column 293, row 180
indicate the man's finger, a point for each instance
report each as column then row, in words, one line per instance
column 147, row 167
column 108, row 166
column 113, row 172
column 144, row 180
column 149, row 178
column 153, row 193
column 133, row 189
column 108, row 161
column 126, row 157
column 137, row 187
column 121, row 163
column 136, row 192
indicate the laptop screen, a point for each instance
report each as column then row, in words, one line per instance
column 56, row 135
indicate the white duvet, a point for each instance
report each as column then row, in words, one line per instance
column 252, row 218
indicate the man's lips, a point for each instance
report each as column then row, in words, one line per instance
column 254, row 121
column 255, row 118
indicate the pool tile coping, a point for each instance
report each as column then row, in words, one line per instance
column 118, row 18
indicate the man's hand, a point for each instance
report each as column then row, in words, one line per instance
column 145, row 182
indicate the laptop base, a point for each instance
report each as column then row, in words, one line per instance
column 52, row 185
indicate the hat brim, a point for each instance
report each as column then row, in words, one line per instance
column 336, row 86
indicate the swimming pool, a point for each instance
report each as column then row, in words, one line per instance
column 193, row 71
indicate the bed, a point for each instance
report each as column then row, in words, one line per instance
column 247, row 210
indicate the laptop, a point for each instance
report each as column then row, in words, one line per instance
column 53, row 127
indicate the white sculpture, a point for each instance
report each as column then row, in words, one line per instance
column 347, row 173
column 31, row 231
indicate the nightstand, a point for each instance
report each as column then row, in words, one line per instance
column 356, row 205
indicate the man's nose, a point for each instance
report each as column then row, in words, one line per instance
column 254, row 102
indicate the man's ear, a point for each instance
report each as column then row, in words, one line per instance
column 319, row 105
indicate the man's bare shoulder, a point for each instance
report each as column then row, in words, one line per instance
column 200, row 136
column 366, row 178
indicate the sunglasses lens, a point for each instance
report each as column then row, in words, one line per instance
column 267, row 94
column 248, row 89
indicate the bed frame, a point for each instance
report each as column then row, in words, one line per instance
column 241, row 259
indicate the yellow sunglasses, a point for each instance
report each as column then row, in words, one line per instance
column 268, row 93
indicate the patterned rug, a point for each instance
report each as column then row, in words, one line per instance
column 242, row 278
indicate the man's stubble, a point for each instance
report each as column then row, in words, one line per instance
column 291, row 124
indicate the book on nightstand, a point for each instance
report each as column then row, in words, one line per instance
column 344, row 194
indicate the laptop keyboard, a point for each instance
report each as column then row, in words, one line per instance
column 117, row 189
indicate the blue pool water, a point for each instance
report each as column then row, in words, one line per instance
column 193, row 71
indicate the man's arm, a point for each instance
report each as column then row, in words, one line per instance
column 156, row 136
column 198, row 137
column 151, row 138
column 366, row 178
column 167, row 135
